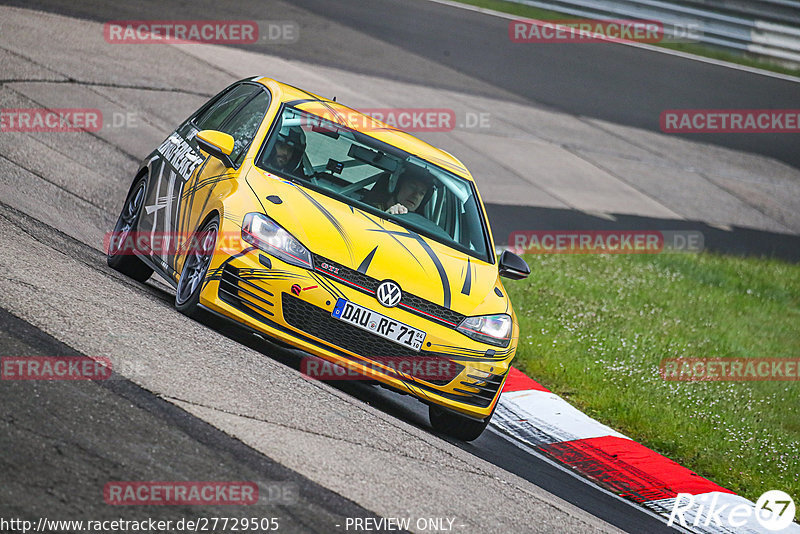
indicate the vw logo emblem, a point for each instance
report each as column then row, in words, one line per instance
column 389, row 294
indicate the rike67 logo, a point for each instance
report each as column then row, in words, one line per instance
column 774, row 511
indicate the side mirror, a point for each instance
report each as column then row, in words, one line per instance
column 513, row 267
column 217, row 144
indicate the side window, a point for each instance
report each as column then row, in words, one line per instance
column 243, row 126
column 213, row 117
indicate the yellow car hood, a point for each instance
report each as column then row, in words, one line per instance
column 380, row 248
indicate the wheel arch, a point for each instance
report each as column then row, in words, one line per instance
column 179, row 261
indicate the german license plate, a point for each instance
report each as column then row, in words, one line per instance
column 378, row 324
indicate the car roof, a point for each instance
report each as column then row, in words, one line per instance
column 358, row 121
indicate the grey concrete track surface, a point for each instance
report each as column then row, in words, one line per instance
column 62, row 442
column 527, row 155
column 426, row 43
column 60, row 193
column 610, row 82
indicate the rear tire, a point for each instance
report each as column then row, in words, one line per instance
column 454, row 425
column 120, row 255
column 195, row 268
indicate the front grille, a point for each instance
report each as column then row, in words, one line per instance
column 318, row 322
column 366, row 284
column 429, row 308
column 244, row 294
column 345, row 274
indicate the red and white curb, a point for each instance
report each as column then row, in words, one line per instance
column 530, row 413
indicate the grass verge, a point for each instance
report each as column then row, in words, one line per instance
column 525, row 11
column 594, row 329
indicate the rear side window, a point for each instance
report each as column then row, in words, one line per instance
column 214, row 116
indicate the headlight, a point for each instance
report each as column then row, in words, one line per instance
column 269, row 236
column 491, row 329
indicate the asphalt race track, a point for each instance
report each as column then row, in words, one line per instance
column 459, row 49
column 202, row 401
column 53, row 451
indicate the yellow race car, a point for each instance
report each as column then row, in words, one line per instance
column 316, row 225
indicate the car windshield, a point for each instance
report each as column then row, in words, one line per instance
column 366, row 173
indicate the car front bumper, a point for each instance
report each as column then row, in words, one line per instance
column 295, row 305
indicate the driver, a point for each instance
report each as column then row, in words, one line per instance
column 287, row 154
column 412, row 187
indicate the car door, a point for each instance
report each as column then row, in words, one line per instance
column 213, row 179
column 177, row 173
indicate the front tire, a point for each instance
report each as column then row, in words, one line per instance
column 195, row 268
column 455, row 425
column 120, row 255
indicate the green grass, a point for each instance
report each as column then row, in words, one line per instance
column 594, row 329
column 530, row 12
